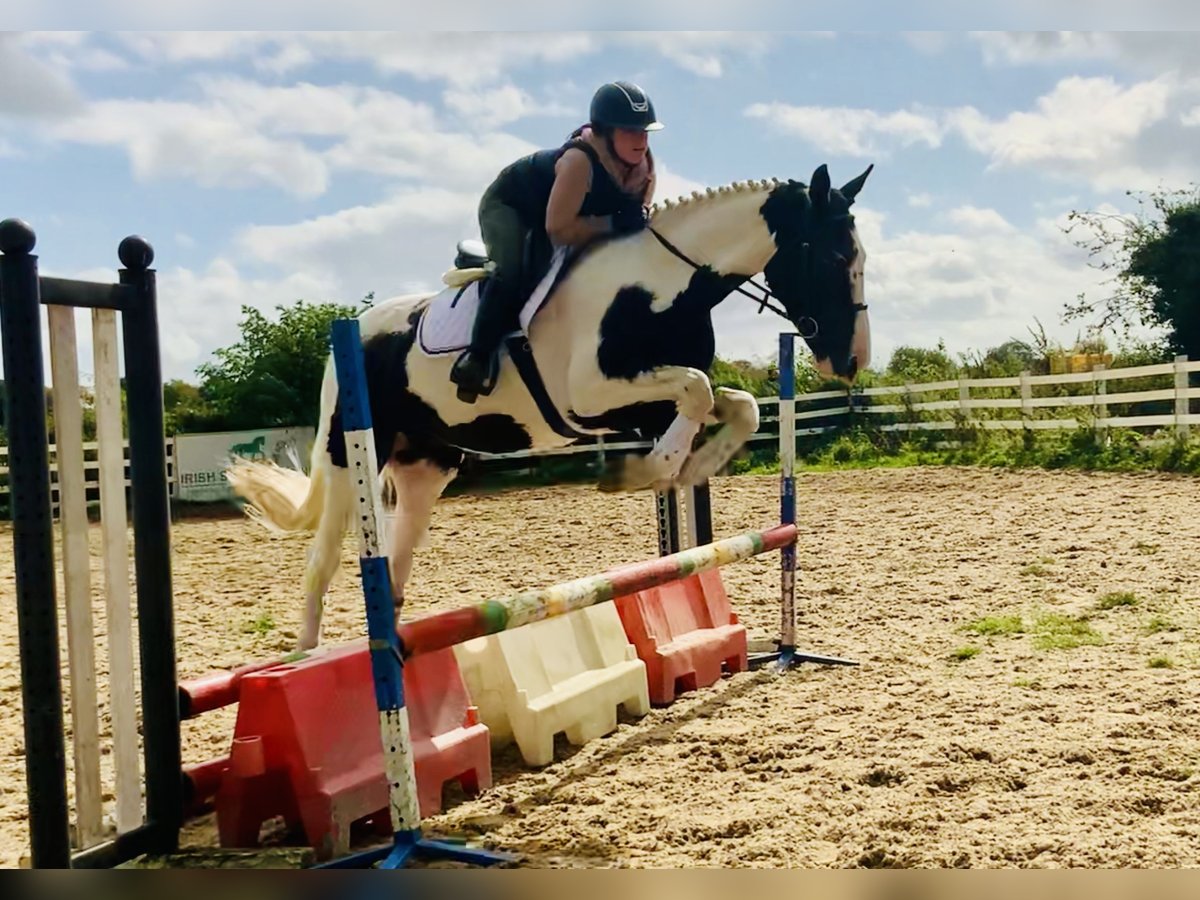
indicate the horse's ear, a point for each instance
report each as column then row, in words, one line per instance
column 851, row 188
column 819, row 186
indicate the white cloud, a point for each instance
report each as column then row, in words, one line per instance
column 928, row 42
column 207, row 144
column 30, row 87
column 241, row 133
column 670, row 185
column 1092, row 130
column 850, row 132
column 700, row 52
column 493, row 107
column 461, row 59
column 201, row 311
column 73, row 50
column 1081, row 120
column 975, row 219
column 920, row 200
column 378, row 131
column 975, row 286
column 400, row 245
column 438, row 158
column 975, row 282
column 198, row 311
column 1025, row 47
column 316, row 239
column 1143, row 51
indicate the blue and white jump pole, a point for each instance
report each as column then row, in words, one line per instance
column 786, row 656
column 384, row 643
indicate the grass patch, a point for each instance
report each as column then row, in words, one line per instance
column 1029, row 684
column 1161, row 662
column 1120, row 598
column 962, row 654
column 1036, row 569
column 993, row 625
column 262, row 626
column 1159, row 624
column 1081, row 449
column 1148, row 549
column 1058, row 632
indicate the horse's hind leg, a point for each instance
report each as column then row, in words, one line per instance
column 325, row 553
column 738, row 413
column 418, row 486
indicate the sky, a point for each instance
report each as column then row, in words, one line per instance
column 271, row 167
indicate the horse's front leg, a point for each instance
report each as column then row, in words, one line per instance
column 689, row 389
column 737, row 411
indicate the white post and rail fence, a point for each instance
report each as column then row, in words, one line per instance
column 1155, row 398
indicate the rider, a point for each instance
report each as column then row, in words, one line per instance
column 598, row 183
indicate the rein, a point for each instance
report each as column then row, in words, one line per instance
column 764, row 302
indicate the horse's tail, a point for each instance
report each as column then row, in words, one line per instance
column 287, row 500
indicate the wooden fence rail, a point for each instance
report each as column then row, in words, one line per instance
column 1035, row 402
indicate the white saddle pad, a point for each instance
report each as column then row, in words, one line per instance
column 446, row 325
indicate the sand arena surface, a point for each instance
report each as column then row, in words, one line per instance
column 1017, row 756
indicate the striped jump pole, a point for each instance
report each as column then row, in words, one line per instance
column 442, row 630
column 787, row 656
column 386, row 659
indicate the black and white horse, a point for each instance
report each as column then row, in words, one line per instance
column 622, row 343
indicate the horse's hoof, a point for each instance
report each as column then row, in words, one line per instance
column 630, row 473
column 610, row 481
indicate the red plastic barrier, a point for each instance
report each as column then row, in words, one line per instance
column 307, row 747
column 217, row 689
column 685, row 632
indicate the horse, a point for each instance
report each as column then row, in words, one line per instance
column 250, row 450
column 621, row 343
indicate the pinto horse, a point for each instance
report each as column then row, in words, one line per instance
column 621, row 343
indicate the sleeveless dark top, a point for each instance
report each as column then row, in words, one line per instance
column 525, row 185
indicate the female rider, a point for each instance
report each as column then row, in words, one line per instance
column 598, row 183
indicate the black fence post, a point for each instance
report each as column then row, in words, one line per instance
column 152, row 546
column 33, row 545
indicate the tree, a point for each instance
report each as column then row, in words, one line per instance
column 1011, row 358
column 272, row 376
column 917, row 365
column 1154, row 255
column 186, row 408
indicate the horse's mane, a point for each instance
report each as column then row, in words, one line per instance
column 736, row 187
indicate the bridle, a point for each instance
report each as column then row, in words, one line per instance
column 764, row 302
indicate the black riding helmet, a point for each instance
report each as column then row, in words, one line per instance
column 620, row 104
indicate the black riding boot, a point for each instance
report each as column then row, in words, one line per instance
column 475, row 371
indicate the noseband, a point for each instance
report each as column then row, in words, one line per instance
column 764, row 302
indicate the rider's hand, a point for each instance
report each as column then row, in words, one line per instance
column 629, row 219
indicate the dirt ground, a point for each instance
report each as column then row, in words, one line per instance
column 945, row 747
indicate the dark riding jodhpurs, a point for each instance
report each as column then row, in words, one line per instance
column 504, row 232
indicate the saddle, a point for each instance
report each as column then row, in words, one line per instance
column 470, row 264
column 445, row 327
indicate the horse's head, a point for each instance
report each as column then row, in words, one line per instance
column 817, row 270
